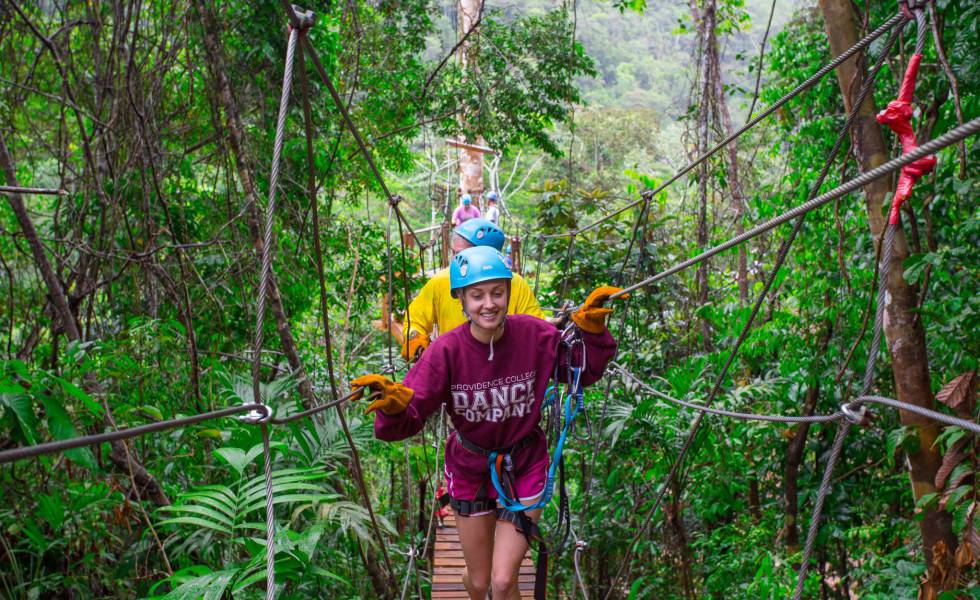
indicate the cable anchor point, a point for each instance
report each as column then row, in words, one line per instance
column 261, row 413
column 301, row 19
column 855, row 413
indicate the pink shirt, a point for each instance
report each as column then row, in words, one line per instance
column 494, row 403
column 462, row 213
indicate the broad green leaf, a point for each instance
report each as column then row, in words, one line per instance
column 18, row 403
column 62, row 428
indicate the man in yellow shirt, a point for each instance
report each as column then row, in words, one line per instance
column 435, row 307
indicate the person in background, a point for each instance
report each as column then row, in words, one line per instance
column 493, row 213
column 465, row 211
column 435, row 305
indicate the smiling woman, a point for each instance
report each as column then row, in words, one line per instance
column 491, row 373
column 480, row 277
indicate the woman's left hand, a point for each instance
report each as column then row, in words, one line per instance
column 591, row 317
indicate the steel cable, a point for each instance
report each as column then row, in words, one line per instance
column 270, row 518
column 925, row 412
column 852, row 405
column 123, row 434
column 950, row 137
column 726, row 413
column 264, row 282
column 412, row 553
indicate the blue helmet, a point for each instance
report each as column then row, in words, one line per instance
column 466, row 199
column 476, row 265
column 492, row 196
column 481, row 232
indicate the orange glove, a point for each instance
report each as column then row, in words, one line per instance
column 591, row 317
column 414, row 346
column 394, row 396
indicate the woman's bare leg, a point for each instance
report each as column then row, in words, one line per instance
column 510, row 546
column 476, row 539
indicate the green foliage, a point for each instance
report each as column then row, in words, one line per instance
column 153, row 244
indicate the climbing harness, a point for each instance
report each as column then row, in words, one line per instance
column 500, row 463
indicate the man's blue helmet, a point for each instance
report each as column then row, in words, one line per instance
column 476, row 265
column 466, row 199
column 481, row 232
column 492, row 196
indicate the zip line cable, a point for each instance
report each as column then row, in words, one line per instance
column 950, row 137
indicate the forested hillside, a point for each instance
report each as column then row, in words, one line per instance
column 143, row 283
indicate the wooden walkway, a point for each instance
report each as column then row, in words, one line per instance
column 447, row 578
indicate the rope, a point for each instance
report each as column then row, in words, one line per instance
column 412, row 553
column 579, row 548
column 270, row 518
column 435, row 478
column 811, row 534
column 124, row 434
column 319, row 408
column 727, row 413
column 950, row 137
column 808, row 83
column 925, row 412
column 264, row 281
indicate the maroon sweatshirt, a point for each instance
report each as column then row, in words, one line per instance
column 496, row 403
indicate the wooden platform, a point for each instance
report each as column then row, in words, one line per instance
column 447, row 578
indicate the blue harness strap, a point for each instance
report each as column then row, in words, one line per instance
column 574, row 403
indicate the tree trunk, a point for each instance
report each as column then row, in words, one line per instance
column 125, row 460
column 732, row 177
column 705, row 17
column 470, row 161
column 212, row 44
column 903, row 331
column 794, row 457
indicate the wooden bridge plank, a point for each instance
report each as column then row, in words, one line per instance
column 449, row 565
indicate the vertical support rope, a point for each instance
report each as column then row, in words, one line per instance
column 266, row 272
column 537, row 266
column 265, row 278
column 270, row 519
column 568, row 263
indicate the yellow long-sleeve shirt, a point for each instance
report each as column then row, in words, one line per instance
column 435, row 306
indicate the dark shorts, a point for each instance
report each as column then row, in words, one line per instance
column 468, row 475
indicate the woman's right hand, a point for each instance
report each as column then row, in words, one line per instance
column 394, row 396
